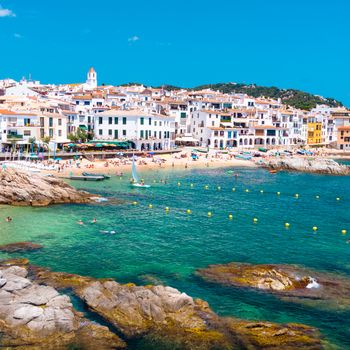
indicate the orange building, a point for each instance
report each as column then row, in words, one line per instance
column 343, row 137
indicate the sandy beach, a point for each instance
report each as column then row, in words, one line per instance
column 116, row 166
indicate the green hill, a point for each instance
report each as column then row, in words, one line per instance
column 295, row 98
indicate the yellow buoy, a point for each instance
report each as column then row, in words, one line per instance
column 315, row 228
column 261, row 191
column 338, row 199
column 166, row 208
column 209, row 214
column 179, row 183
column 343, row 232
column 134, row 203
column 317, row 197
column 286, row 224
column 150, row 206
column 191, row 185
column 233, row 189
column 206, row 187
column 247, row 190
column 255, row 220
column 278, row 193
column 296, row 195
column 219, row 188
column 188, row 211
column 230, row 216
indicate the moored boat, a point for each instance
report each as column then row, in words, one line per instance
column 91, row 174
column 86, row 178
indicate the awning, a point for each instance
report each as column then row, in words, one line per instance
column 186, row 139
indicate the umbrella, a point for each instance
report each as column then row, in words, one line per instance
column 71, row 145
column 99, row 145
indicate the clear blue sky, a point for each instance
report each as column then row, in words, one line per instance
column 302, row 44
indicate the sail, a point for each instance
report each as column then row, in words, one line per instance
column 134, row 173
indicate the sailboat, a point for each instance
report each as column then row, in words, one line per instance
column 136, row 181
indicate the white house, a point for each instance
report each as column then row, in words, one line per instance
column 147, row 131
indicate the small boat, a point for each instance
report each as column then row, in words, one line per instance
column 86, row 178
column 273, row 171
column 262, row 149
column 136, row 181
column 91, row 174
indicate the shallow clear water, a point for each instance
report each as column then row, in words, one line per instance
column 152, row 246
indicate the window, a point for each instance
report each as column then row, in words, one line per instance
column 116, row 134
column 50, row 122
column 51, row 132
column 86, row 103
column 124, row 131
column 160, row 134
column 116, row 120
column 100, row 120
column 59, row 133
column 124, row 123
column 160, row 123
column 110, row 120
column 141, row 134
column 26, row 133
column 155, row 134
column 59, row 122
column 110, row 132
column 149, row 121
column 155, row 123
column 100, row 132
column 142, row 120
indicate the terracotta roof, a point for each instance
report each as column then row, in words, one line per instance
column 344, row 127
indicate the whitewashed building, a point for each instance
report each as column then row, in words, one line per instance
column 146, row 131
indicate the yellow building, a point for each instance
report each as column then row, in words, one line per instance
column 314, row 133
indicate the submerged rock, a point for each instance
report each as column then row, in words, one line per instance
column 19, row 247
column 309, row 165
column 287, row 281
column 18, row 187
column 160, row 317
column 34, row 316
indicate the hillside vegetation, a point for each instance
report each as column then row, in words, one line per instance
column 295, row 98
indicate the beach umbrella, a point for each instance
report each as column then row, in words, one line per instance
column 71, row 145
column 99, row 145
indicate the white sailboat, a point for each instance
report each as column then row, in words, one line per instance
column 135, row 178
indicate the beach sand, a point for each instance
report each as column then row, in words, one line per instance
column 116, row 166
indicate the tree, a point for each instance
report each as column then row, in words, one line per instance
column 46, row 139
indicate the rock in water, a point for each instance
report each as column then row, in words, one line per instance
column 19, row 247
column 309, row 165
column 287, row 281
column 34, row 316
column 18, row 187
column 160, row 317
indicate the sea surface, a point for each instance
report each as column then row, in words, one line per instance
column 151, row 245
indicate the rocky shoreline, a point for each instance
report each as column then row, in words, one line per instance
column 308, row 165
column 21, row 188
column 37, row 313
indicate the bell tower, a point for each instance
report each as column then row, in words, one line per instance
column 92, row 78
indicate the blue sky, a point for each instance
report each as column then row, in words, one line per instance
column 303, row 44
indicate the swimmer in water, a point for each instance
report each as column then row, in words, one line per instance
column 94, row 221
column 80, row 222
column 8, row 219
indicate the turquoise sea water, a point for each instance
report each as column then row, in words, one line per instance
column 152, row 246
